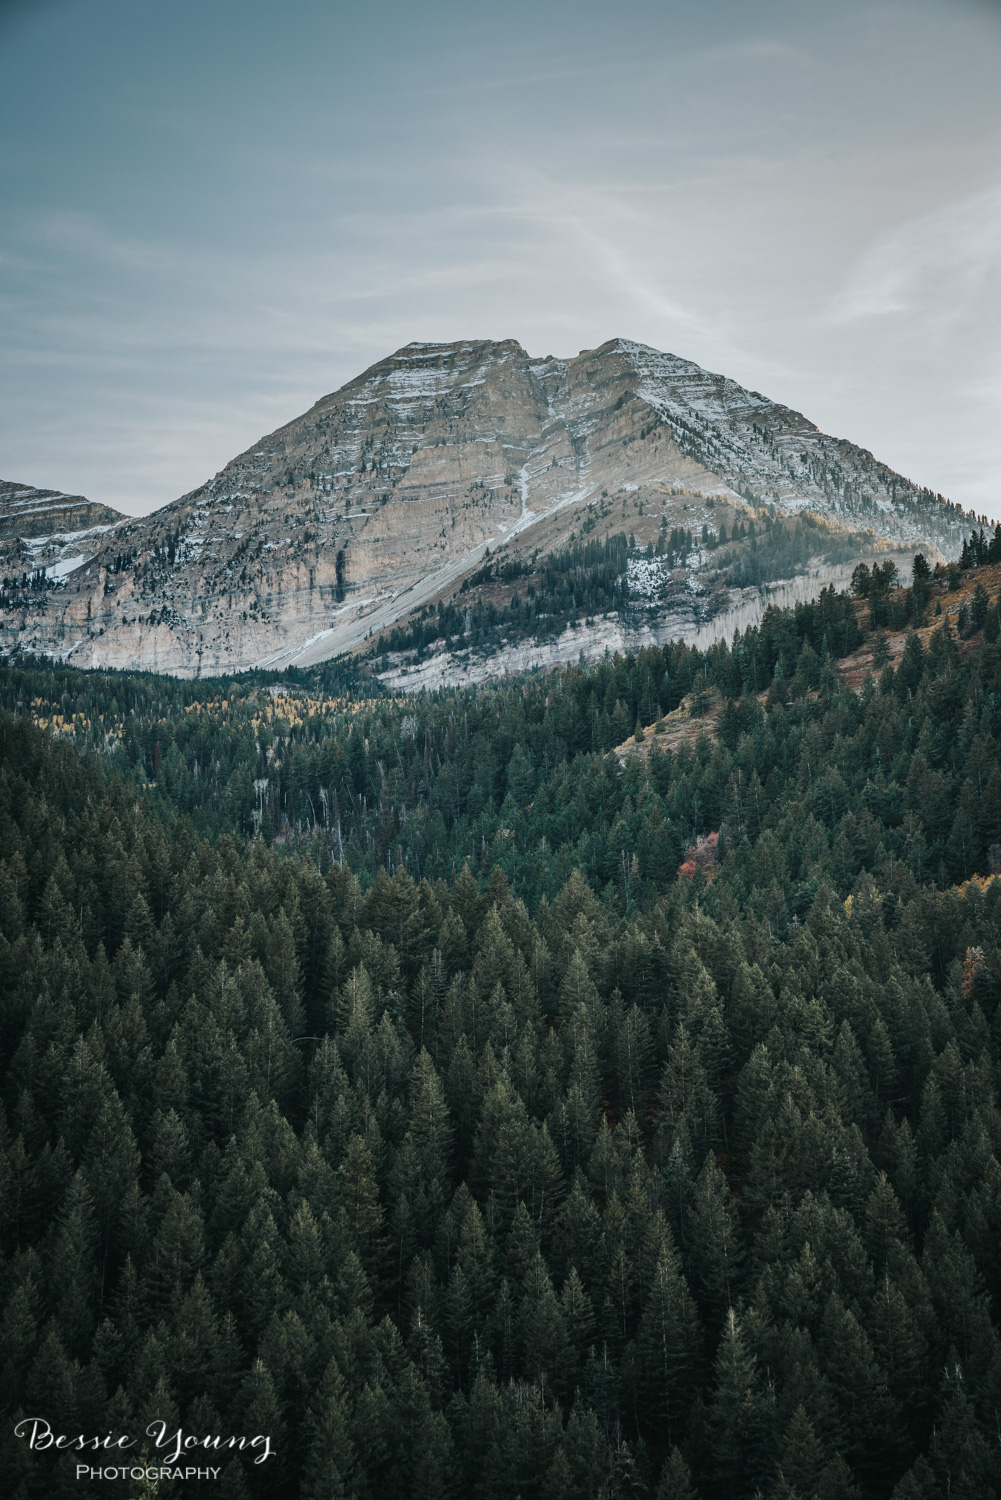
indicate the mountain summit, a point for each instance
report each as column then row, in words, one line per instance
column 387, row 494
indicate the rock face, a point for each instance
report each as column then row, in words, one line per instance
column 589, row 641
column 44, row 536
column 28, row 514
column 385, row 495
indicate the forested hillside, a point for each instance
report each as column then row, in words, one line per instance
column 372, row 1078
column 511, row 599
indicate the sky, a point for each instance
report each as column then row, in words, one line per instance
column 213, row 212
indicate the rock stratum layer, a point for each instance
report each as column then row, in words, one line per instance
column 385, row 494
column 44, row 536
column 28, row 514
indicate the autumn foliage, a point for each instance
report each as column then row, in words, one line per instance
column 702, row 855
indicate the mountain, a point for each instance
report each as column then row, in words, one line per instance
column 30, row 514
column 382, row 500
column 45, row 535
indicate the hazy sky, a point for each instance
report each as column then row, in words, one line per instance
column 212, row 212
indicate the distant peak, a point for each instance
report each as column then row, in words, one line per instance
column 418, row 347
column 647, row 352
column 630, row 346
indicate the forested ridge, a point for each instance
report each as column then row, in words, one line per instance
column 314, row 760
column 591, row 576
column 372, row 1079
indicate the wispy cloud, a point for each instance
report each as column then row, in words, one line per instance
column 211, row 234
column 945, row 265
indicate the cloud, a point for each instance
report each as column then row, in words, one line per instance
column 945, row 265
column 200, row 240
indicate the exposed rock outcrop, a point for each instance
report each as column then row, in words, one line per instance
column 28, row 514
column 386, row 494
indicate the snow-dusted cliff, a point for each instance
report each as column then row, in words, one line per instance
column 387, row 493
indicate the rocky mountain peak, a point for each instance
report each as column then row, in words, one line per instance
column 45, row 534
column 28, row 513
column 387, row 492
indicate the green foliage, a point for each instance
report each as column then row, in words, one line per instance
column 783, row 547
column 586, row 578
column 450, row 1137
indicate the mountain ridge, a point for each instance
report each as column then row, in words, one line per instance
column 387, row 492
column 45, row 535
column 30, row 513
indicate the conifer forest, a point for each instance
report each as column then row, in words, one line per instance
column 586, row 1086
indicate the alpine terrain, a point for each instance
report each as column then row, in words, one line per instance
column 463, row 508
column 47, row 530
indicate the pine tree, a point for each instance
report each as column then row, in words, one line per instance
column 667, row 1342
column 476, row 1259
column 542, row 1331
column 871, row 1419
column 577, row 1311
column 73, row 1268
column 18, row 1338
column 430, row 1137
column 737, row 1414
column 676, row 1479
column 801, row 1457
column 259, row 1413
column 713, row 1238
column 194, row 1348
column 362, row 1203
column 459, row 1320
